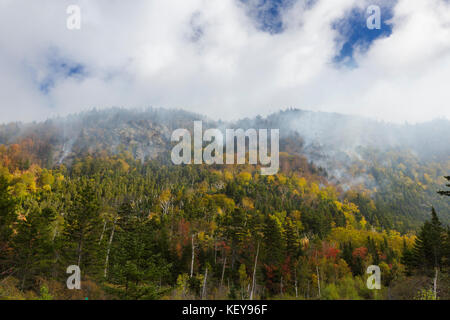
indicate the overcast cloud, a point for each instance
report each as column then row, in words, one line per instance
column 218, row 58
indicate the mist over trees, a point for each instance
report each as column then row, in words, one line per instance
column 98, row 190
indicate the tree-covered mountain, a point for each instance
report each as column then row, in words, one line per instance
column 98, row 190
column 393, row 168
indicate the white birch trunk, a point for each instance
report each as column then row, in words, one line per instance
column 318, row 278
column 103, row 232
column 193, row 255
column 111, row 237
column 204, row 284
column 435, row 283
column 254, row 274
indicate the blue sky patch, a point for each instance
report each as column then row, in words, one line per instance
column 267, row 13
column 60, row 68
column 354, row 33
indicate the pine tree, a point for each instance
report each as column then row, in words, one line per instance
column 447, row 238
column 234, row 231
column 34, row 251
column 372, row 249
column 428, row 248
column 407, row 258
column 7, row 217
column 347, row 254
column 82, row 229
column 274, row 249
column 293, row 249
column 447, row 249
column 273, row 241
column 136, row 263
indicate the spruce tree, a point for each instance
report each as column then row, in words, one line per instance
column 428, row 248
column 136, row 262
column 82, row 229
column 273, row 241
column 446, row 258
column 447, row 238
column 7, row 217
column 407, row 258
column 293, row 248
column 34, row 251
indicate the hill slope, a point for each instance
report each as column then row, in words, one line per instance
column 397, row 167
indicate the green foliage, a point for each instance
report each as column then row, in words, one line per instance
column 82, row 227
column 428, row 251
column 135, row 228
column 34, row 248
column 136, row 258
column 7, row 218
column 425, row 294
column 44, row 294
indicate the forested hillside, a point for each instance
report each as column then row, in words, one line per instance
column 97, row 190
column 398, row 168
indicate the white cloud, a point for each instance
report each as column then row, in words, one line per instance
column 208, row 56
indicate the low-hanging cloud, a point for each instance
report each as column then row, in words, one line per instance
column 212, row 57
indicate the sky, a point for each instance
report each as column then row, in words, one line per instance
column 226, row 59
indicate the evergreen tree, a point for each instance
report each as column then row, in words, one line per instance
column 34, row 251
column 136, row 262
column 234, row 231
column 407, row 258
column 428, row 248
column 347, row 253
column 82, row 229
column 293, row 248
column 447, row 238
column 447, row 249
column 7, row 217
column 273, row 253
column 273, row 240
column 372, row 249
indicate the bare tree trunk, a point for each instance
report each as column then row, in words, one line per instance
column 296, row 290
column 318, row 275
column 111, row 237
column 192, row 259
column 435, row 283
column 22, row 286
column 318, row 278
column 254, row 274
column 223, row 271
column 204, row 283
column 55, row 234
column 80, row 248
column 103, row 232
column 215, row 252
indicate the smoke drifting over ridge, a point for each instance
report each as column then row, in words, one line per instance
column 376, row 157
column 346, row 133
column 331, row 141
